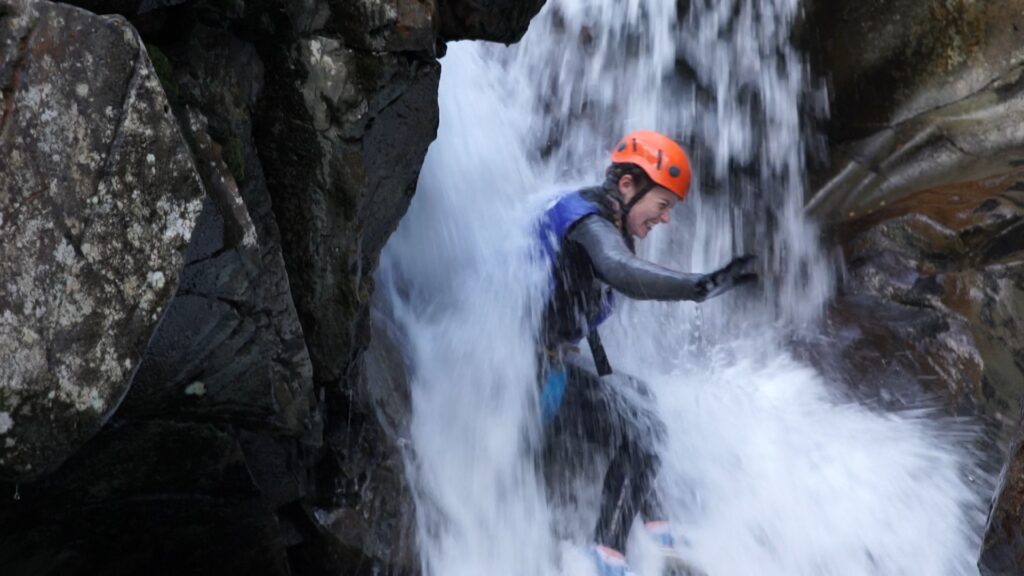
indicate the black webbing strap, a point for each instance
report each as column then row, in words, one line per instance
column 600, row 357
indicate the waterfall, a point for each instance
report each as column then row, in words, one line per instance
column 768, row 468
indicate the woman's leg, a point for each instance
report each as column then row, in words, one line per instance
column 616, row 411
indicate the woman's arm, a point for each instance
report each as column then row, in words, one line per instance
column 637, row 278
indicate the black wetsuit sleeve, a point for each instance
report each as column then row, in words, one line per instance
column 634, row 277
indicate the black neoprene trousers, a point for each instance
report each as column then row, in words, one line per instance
column 615, row 412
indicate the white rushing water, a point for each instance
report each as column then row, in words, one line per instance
column 767, row 468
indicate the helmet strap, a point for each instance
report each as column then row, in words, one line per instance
column 625, row 207
column 639, row 196
column 636, row 198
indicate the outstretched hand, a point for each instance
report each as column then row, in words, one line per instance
column 737, row 272
column 741, row 269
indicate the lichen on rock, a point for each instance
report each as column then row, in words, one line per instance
column 96, row 232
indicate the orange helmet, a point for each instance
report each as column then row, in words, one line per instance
column 658, row 156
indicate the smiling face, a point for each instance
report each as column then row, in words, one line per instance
column 654, row 208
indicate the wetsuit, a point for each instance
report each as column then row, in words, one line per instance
column 590, row 256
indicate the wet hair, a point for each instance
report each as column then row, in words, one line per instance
column 608, row 197
column 615, row 173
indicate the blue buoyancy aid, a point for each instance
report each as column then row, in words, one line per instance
column 560, row 217
column 579, row 302
column 571, row 272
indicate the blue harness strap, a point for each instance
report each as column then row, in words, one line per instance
column 551, row 394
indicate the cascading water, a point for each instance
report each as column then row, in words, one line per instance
column 767, row 470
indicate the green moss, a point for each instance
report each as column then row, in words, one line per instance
column 164, row 71
column 234, row 158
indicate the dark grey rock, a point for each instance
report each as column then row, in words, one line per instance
column 969, row 141
column 888, row 61
column 145, row 498
column 385, row 25
column 1002, row 551
column 497, row 20
column 343, row 135
column 98, row 198
column 230, row 347
column 938, row 261
column 126, row 7
column 923, row 193
column 385, row 382
column 256, row 437
column 365, row 25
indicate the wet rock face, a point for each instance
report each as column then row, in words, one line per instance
column 961, row 265
column 924, row 196
column 924, row 190
column 344, row 134
column 98, row 200
column 934, row 98
column 934, row 297
column 342, row 131
column 385, row 26
column 230, row 348
column 496, row 20
column 890, row 60
column 252, row 434
column 1002, row 551
column 969, row 143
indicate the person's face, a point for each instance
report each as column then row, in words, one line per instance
column 653, row 209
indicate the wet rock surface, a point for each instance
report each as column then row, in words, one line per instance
column 251, row 433
column 341, row 179
column 888, row 61
column 1002, row 551
column 965, row 274
column 342, row 134
column 923, row 195
column 497, row 20
column 970, row 141
column 136, row 484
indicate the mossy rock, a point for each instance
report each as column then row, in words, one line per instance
column 234, row 157
column 164, row 71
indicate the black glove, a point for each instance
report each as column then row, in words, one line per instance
column 738, row 272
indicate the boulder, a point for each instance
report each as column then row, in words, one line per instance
column 955, row 261
column 98, row 201
column 496, row 20
column 231, row 348
column 1002, row 550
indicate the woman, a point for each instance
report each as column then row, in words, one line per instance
column 588, row 236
